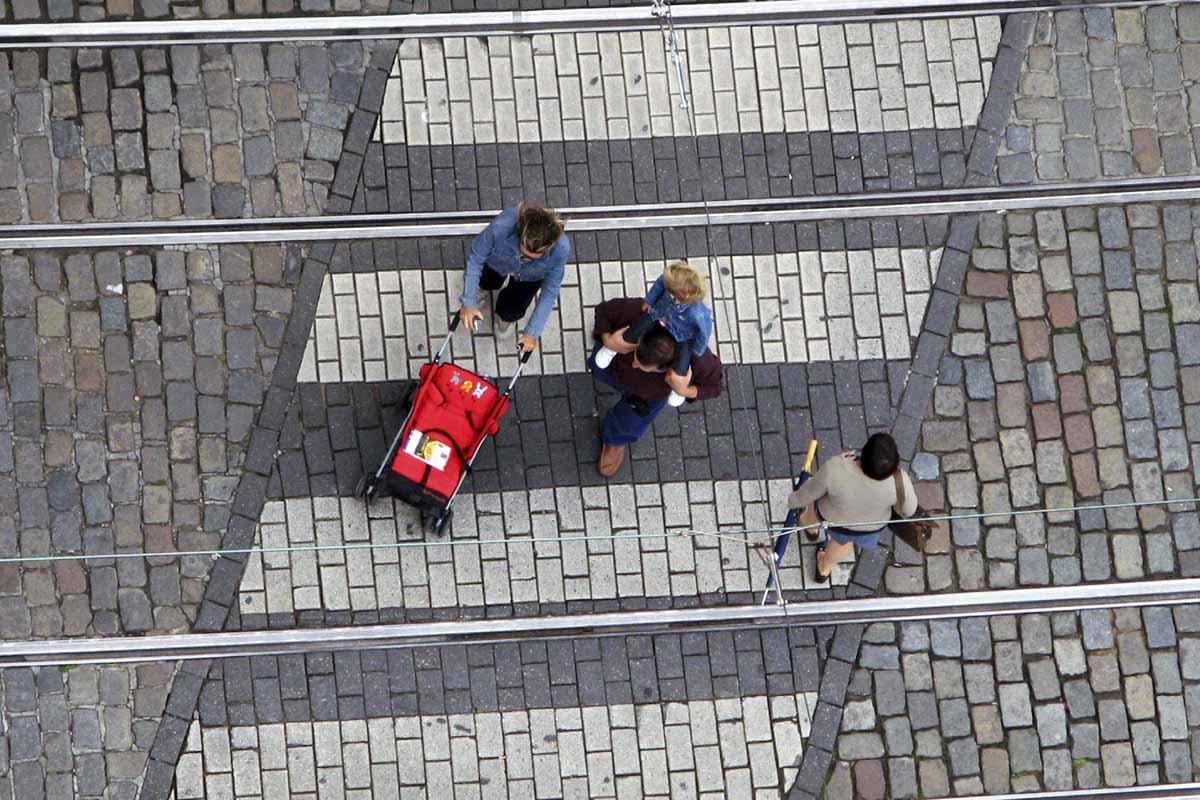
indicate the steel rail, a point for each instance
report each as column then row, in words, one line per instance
column 1163, row 791
column 228, row 644
column 352, row 227
column 512, row 23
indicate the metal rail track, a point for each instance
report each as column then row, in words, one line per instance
column 63, row 652
column 1165, row 791
column 512, row 23
column 600, row 218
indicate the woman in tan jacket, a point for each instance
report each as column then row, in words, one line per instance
column 853, row 488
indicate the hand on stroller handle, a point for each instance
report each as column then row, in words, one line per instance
column 456, row 318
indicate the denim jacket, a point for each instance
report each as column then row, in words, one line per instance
column 689, row 323
column 498, row 247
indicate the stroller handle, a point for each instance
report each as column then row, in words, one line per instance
column 455, row 319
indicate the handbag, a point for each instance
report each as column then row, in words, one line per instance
column 915, row 534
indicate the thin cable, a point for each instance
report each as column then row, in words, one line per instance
column 678, row 55
column 732, row 534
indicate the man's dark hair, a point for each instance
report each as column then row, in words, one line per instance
column 538, row 227
column 657, row 348
column 879, row 457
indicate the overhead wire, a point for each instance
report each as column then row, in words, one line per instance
column 737, row 535
column 677, row 52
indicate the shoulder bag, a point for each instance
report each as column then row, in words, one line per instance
column 915, row 534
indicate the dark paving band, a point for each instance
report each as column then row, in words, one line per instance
column 665, row 243
column 667, row 169
column 551, row 436
column 918, row 391
column 512, row 677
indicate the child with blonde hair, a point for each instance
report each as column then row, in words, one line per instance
column 675, row 301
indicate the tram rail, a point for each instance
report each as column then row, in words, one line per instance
column 513, row 23
column 349, row 227
column 958, row 605
column 1163, row 791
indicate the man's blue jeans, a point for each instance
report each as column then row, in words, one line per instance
column 623, row 424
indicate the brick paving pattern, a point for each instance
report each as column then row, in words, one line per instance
column 335, row 432
column 706, row 715
column 813, row 306
column 884, row 107
column 868, row 78
column 517, row 559
column 143, row 409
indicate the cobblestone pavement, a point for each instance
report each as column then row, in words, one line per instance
column 184, row 131
column 1072, row 384
column 1107, row 95
column 131, row 384
column 131, row 381
column 1069, row 380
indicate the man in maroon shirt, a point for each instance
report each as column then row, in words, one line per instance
column 641, row 373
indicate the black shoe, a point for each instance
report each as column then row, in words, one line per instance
column 812, row 533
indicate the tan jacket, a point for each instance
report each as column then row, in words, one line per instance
column 845, row 495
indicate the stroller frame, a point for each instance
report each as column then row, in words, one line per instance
column 368, row 485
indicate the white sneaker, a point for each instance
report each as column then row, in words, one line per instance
column 675, row 399
column 605, row 356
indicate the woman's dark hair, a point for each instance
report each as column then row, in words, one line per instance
column 657, row 348
column 879, row 457
column 539, row 227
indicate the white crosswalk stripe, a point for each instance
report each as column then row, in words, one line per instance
column 737, row 747
column 516, row 558
column 792, row 307
column 862, row 77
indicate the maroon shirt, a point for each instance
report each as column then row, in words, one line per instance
column 611, row 316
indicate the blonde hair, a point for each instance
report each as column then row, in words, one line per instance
column 684, row 283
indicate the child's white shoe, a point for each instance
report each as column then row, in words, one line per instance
column 605, row 356
column 676, row 399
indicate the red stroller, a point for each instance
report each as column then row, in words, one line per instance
column 453, row 411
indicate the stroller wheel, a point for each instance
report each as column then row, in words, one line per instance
column 440, row 524
column 365, row 488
